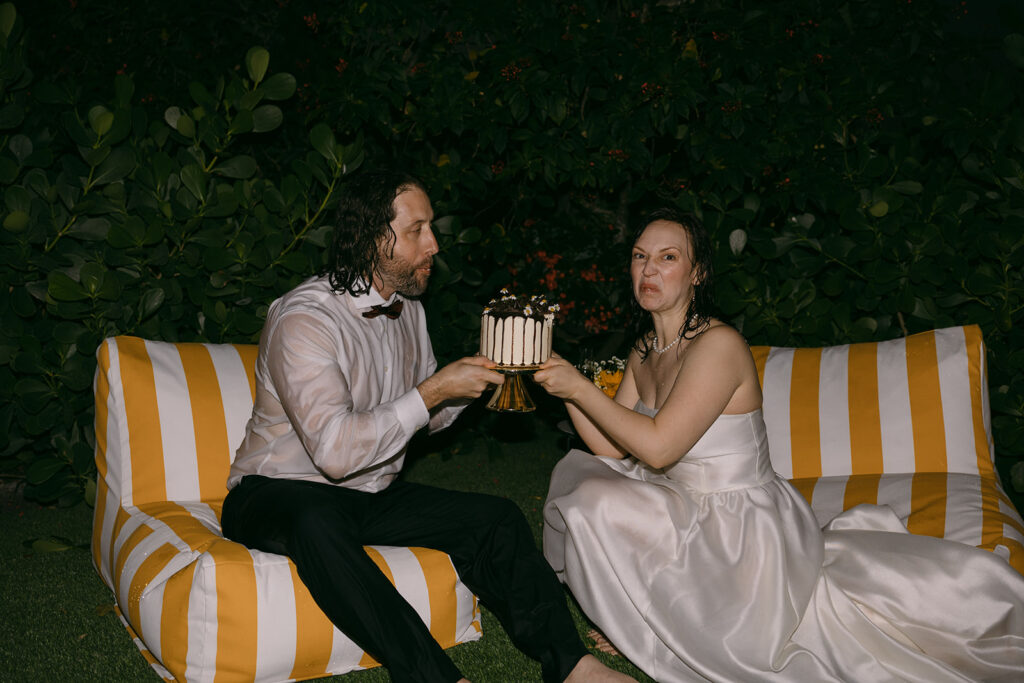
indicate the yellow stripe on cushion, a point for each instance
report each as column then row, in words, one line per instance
column 440, row 576
column 928, row 504
column 236, row 610
column 804, row 420
column 865, row 419
column 314, row 633
column 805, row 487
column 121, row 517
column 125, row 552
column 861, row 488
column 143, row 577
column 366, row 661
column 1001, row 495
column 248, row 353
column 975, row 347
column 182, row 522
column 760, row 354
column 102, row 409
column 927, row 511
column 174, row 621
column 926, row 404
column 143, row 418
column 208, row 418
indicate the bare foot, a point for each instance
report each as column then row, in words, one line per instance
column 591, row 670
column 601, row 643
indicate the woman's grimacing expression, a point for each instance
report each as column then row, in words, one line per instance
column 662, row 267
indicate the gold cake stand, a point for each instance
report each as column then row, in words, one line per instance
column 511, row 396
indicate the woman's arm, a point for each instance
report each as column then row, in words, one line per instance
column 595, row 439
column 716, row 370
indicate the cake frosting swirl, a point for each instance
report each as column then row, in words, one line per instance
column 516, row 331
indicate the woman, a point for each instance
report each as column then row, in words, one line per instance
column 698, row 562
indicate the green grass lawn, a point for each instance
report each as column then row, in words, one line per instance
column 57, row 621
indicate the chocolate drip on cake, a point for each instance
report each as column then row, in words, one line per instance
column 516, row 331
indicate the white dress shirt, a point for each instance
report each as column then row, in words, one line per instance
column 336, row 399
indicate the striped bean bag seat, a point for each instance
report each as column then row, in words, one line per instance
column 200, row 607
column 903, row 423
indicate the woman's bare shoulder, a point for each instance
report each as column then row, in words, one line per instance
column 718, row 333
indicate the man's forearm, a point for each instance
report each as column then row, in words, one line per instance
column 432, row 392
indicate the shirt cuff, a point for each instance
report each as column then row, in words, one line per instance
column 411, row 411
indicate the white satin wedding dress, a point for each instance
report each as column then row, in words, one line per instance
column 715, row 569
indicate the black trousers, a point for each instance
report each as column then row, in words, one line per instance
column 323, row 528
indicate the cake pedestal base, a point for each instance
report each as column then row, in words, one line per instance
column 511, row 396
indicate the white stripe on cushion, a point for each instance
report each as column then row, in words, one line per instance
column 275, row 609
column 118, row 456
column 955, row 388
column 778, row 373
column 834, row 411
column 409, row 579
column 181, row 463
column 235, row 393
column 894, row 408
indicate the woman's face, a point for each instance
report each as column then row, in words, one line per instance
column 662, row 267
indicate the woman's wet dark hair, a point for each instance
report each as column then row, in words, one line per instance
column 700, row 311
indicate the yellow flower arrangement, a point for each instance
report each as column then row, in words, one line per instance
column 605, row 374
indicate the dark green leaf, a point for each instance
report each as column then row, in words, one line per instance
column 241, row 166
column 257, row 59
column 266, row 117
column 280, row 86
column 120, row 163
column 63, row 288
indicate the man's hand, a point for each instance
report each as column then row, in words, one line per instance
column 465, row 378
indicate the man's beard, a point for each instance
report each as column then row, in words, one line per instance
column 404, row 277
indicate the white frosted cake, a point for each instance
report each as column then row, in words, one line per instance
column 516, row 331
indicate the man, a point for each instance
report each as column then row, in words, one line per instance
column 344, row 378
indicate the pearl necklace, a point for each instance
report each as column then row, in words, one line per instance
column 661, row 351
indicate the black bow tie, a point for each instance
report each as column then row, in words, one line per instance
column 392, row 311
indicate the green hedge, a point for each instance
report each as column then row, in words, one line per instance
column 859, row 165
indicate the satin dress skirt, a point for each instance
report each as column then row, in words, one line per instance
column 715, row 569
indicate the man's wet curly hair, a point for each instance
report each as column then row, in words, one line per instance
column 362, row 228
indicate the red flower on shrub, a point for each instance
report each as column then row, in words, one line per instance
column 732, row 106
column 497, row 167
column 618, row 154
column 874, row 115
column 312, row 23
column 651, row 90
column 715, row 35
column 453, row 37
column 341, row 65
column 511, row 72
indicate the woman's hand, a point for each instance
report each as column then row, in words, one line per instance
column 559, row 378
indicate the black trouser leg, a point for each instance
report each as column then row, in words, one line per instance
column 323, row 528
column 495, row 555
column 317, row 526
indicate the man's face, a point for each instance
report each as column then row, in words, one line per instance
column 406, row 268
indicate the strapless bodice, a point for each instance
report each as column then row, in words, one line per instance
column 732, row 454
